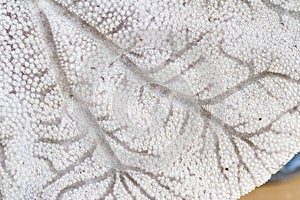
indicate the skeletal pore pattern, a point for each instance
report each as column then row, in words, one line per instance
column 170, row 99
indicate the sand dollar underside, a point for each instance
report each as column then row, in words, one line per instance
column 146, row 99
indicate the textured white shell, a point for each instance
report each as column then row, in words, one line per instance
column 168, row 99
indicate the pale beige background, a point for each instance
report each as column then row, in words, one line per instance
column 286, row 190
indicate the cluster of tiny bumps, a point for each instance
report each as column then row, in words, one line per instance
column 171, row 99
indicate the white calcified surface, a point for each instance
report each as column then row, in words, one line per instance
column 110, row 99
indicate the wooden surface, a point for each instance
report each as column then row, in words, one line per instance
column 285, row 190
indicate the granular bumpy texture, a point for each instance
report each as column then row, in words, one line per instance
column 146, row 99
